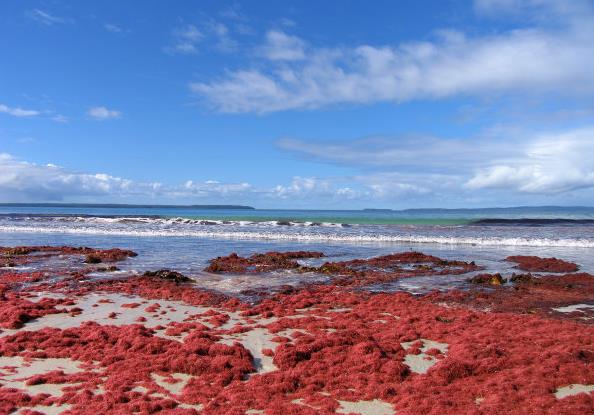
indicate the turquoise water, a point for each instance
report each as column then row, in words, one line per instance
column 370, row 217
column 186, row 238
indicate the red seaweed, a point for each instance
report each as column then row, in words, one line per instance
column 330, row 343
column 538, row 264
column 270, row 261
column 355, row 272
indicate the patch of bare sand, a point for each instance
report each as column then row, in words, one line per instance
column 422, row 362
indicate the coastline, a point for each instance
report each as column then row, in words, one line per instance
column 73, row 342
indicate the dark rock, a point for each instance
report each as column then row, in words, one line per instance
column 522, row 278
column 93, row 259
column 166, row 274
column 490, row 279
column 111, row 268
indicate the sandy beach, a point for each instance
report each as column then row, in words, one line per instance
column 232, row 207
column 75, row 344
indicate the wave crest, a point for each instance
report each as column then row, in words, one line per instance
column 234, row 233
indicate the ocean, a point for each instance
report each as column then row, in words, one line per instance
column 185, row 238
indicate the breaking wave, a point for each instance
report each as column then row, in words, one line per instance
column 158, row 220
column 365, row 235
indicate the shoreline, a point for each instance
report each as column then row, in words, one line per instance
column 73, row 343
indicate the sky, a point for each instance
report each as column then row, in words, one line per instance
column 298, row 104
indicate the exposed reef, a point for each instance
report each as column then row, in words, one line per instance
column 355, row 272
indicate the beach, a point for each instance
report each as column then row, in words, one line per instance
column 230, row 207
column 300, row 331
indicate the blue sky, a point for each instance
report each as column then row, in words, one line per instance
column 296, row 104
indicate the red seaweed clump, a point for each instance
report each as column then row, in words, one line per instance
column 267, row 262
column 532, row 295
column 107, row 255
column 127, row 356
column 538, row 264
column 391, row 267
column 156, row 288
column 15, row 310
column 12, row 278
column 355, row 272
column 25, row 254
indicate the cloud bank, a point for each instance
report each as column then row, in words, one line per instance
column 24, row 181
column 545, row 164
column 547, row 167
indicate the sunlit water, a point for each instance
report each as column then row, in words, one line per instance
column 172, row 240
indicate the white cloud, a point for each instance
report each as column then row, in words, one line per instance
column 102, row 113
column 211, row 34
column 539, row 9
column 44, row 17
column 396, row 185
column 24, row 181
column 186, row 40
column 282, row 47
column 287, row 22
column 17, row 111
column 20, row 180
column 110, row 27
column 211, row 187
column 553, row 163
column 520, row 162
column 363, row 189
column 553, row 167
column 303, row 186
column 60, row 118
column 539, row 59
column 426, row 153
column 224, row 41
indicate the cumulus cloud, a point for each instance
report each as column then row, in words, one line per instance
column 17, row 111
column 542, row 58
column 20, row 180
column 301, row 186
column 24, row 181
column 326, row 191
column 552, row 163
column 102, row 113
